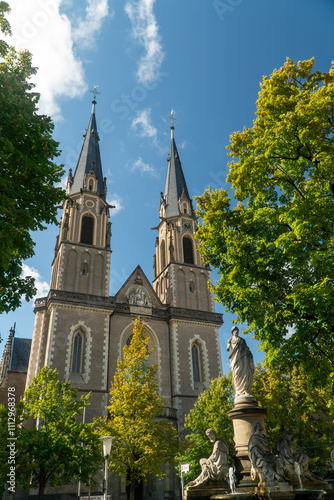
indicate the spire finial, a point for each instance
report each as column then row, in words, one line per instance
column 172, row 118
column 95, row 92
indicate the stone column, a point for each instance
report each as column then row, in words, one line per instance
column 245, row 412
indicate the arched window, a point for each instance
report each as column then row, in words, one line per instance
column 188, row 252
column 77, row 353
column 91, row 185
column 84, row 269
column 191, row 286
column 196, row 362
column 87, row 229
column 185, row 208
column 162, row 255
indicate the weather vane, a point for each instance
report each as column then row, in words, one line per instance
column 95, row 91
column 172, row 118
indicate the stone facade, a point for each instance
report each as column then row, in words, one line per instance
column 81, row 331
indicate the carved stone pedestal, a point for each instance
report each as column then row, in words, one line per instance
column 206, row 492
column 245, row 412
column 275, row 491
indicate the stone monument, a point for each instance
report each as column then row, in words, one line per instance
column 260, row 472
column 246, row 410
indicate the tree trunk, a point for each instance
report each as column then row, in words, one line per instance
column 41, row 488
column 132, row 489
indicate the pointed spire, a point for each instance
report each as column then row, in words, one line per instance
column 175, row 186
column 89, row 160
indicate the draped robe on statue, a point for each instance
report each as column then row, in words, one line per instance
column 242, row 365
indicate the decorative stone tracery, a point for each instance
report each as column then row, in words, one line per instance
column 138, row 295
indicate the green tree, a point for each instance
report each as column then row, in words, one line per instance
column 28, row 174
column 274, row 250
column 6, row 460
column 59, row 449
column 147, row 443
column 210, row 411
column 292, row 404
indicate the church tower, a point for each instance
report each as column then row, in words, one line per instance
column 180, row 278
column 82, row 253
column 72, row 322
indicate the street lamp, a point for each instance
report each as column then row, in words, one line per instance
column 107, row 442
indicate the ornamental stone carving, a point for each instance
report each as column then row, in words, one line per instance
column 138, row 296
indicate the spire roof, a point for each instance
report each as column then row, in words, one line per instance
column 175, row 185
column 89, row 159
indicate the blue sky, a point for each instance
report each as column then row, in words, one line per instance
column 203, row 59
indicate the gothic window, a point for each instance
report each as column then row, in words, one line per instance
column 191, row 287
column 91, row 185
column 84, row 269
column 188, row 252
column 185, row 208
column 196, row 362
column 162, row 255
column 77, row 353
column 87, row 229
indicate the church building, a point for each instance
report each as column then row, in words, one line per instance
column 81, row 330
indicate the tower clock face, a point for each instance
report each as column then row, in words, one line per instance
column 187, row 226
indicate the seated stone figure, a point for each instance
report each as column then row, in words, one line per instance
column 294, row 465
column 215, row 467
column 265, row 465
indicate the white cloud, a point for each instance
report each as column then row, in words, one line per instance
column 143, row 168
column 96, row 11
column 41, row 27
column 143, row 121
column 145, row 31
column 63, row 182
column 42, row 286
column 116, row 202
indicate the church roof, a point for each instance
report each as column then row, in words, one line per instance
column 175, row 182
column 19, row 359
column 89, row 159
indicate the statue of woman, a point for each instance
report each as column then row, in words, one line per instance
column 265, row 465
column 215, row 467
column 294, row 465
column 242, row 364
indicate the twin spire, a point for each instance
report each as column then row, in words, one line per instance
column 89, row 163
column 175, row 186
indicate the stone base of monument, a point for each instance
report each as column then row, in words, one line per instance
column 280, row 490
column 239, row 495
column 207, row 491
column 306, row 494
column 245, row 412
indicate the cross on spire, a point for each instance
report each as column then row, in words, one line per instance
column 95, row 92
column 172, row 118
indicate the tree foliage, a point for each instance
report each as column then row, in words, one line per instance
column 146, row 442
column 292, row 404
column 210, row 411
column 274, row 250
column 28, row 174
column 59, row 448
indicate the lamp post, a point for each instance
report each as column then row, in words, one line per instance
column 107, row 442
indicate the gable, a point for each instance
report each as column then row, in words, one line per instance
column 137, row 290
